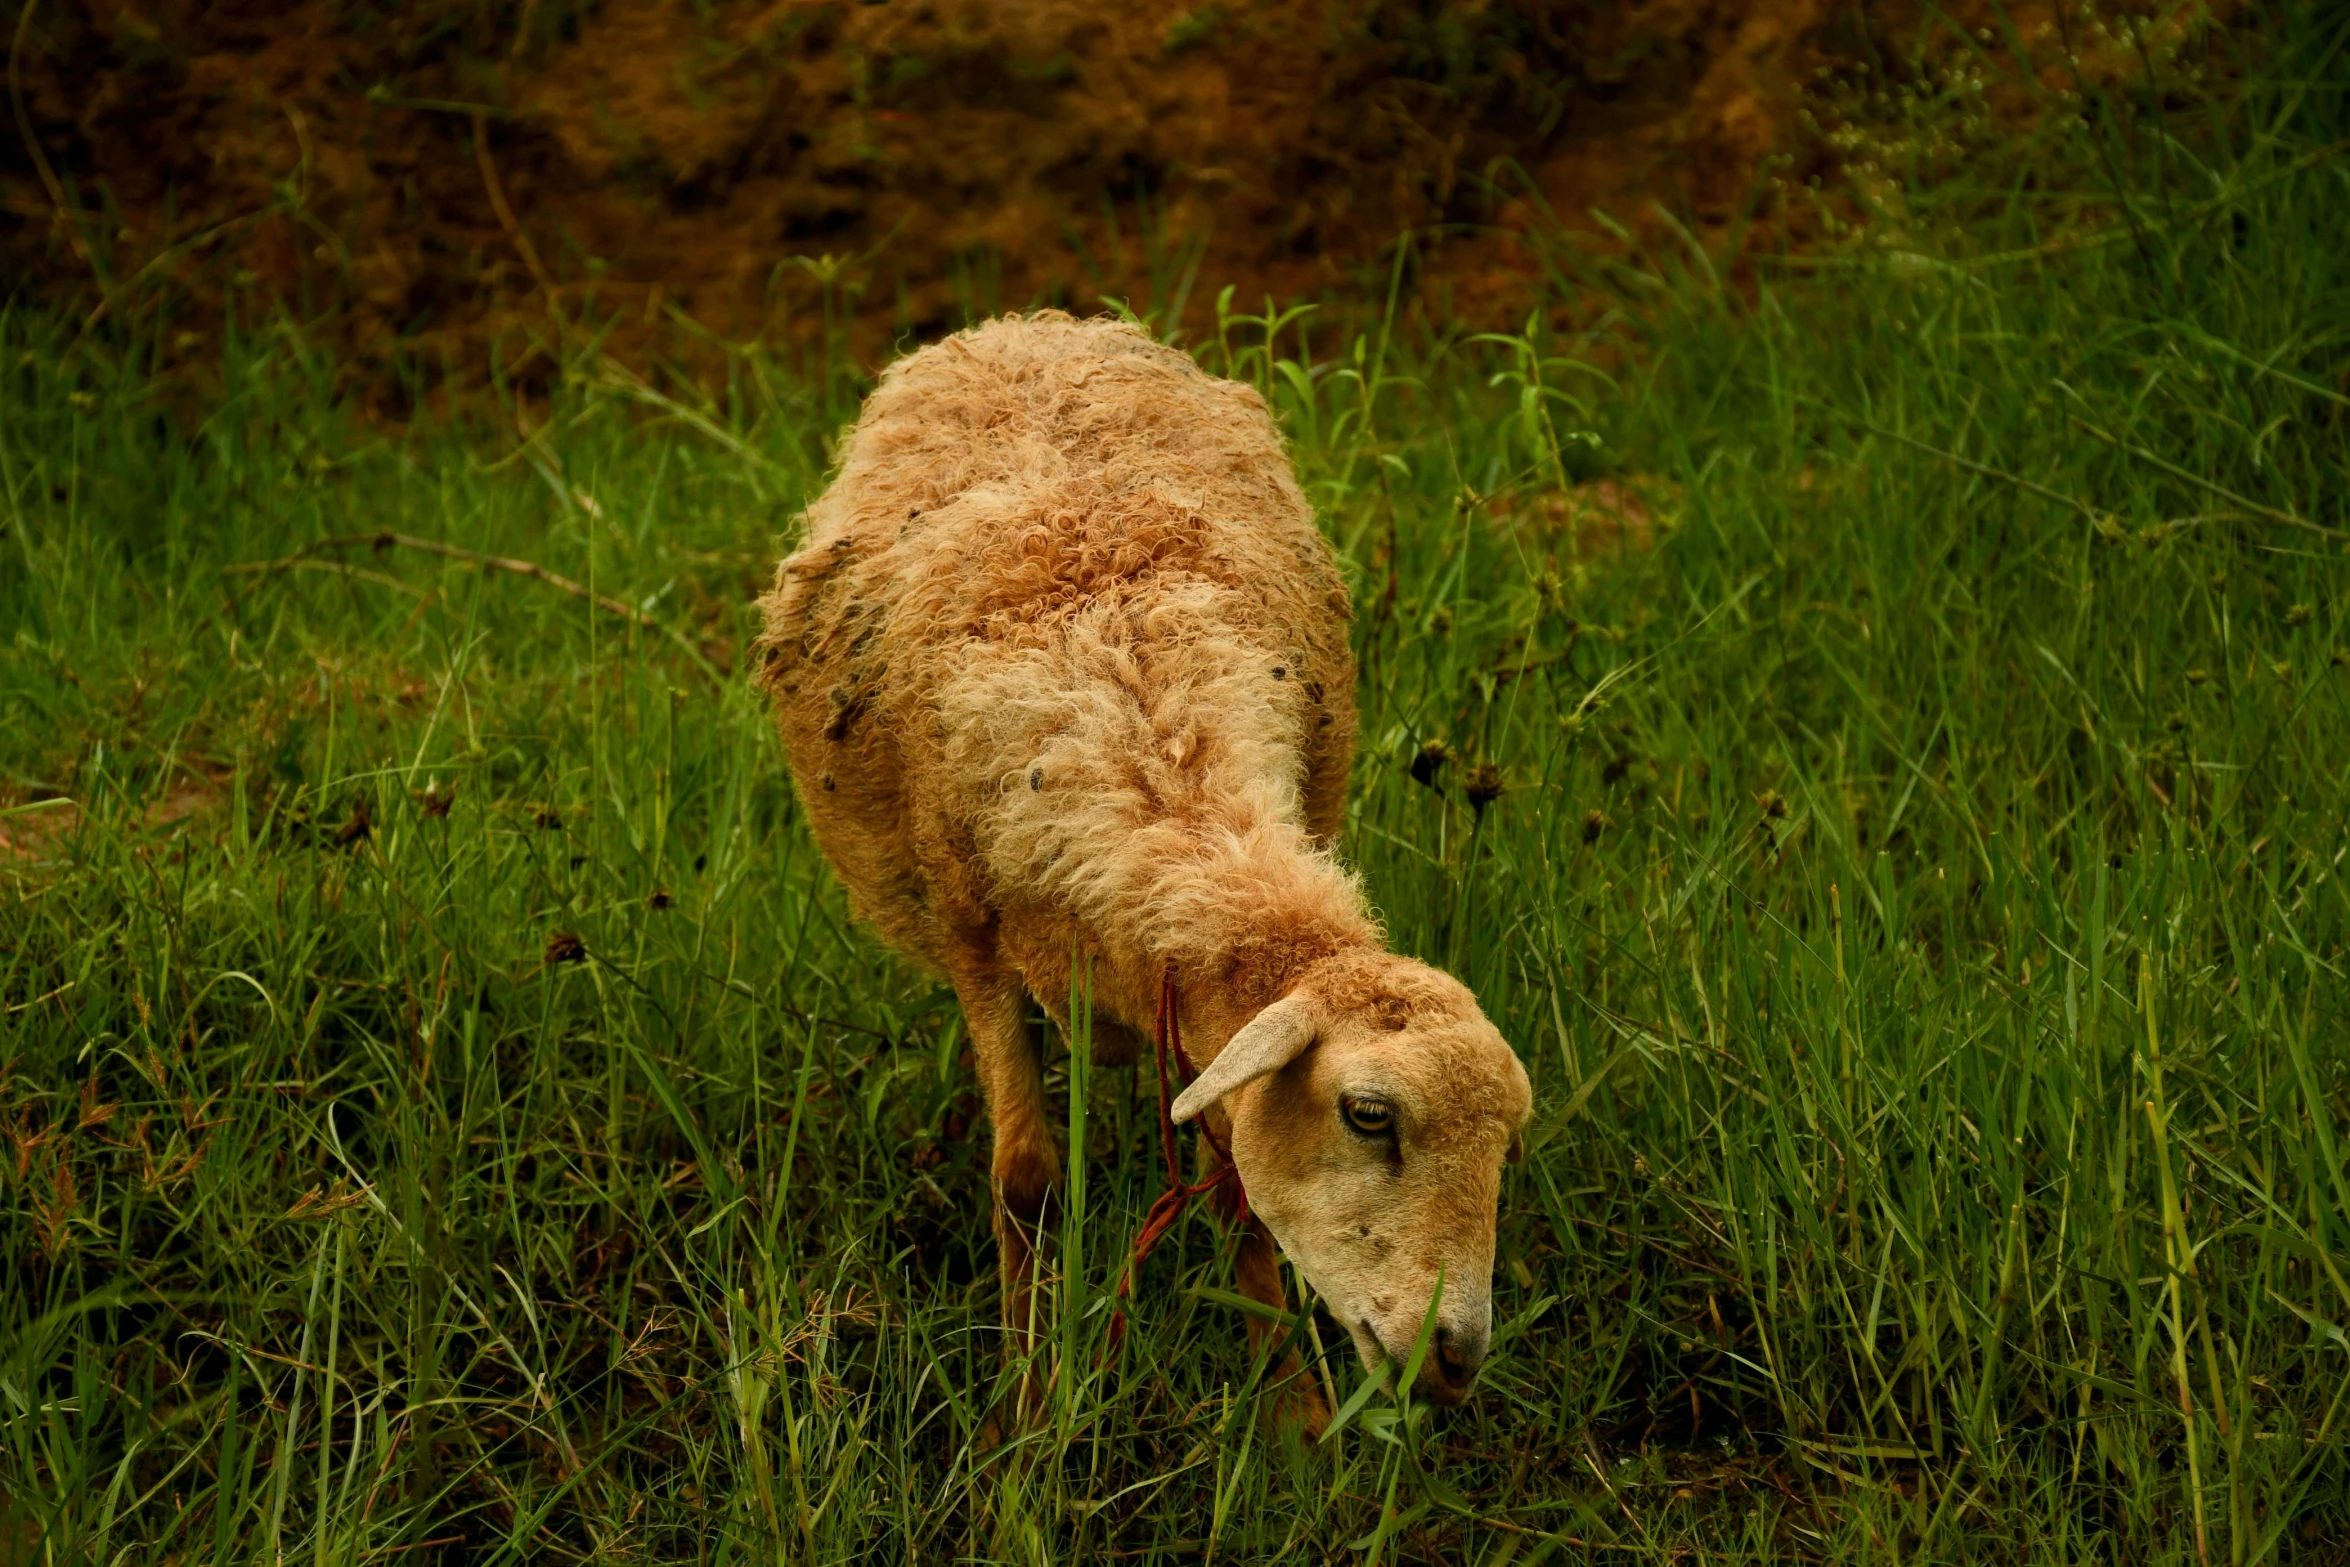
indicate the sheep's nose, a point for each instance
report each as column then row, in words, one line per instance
column 1452, row 1364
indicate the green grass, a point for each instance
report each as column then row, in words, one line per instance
column 449, row 1113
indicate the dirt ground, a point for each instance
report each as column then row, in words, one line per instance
column 443, row 185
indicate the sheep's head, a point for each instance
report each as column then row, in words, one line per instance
column 1371, row 1110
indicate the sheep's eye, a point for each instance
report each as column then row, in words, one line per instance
column 1367, row 1117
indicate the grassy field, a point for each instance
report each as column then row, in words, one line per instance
column 449, row 1116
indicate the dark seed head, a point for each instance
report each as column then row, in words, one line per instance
column 659, row 900
column 565, row 947
column 1036, row 779
column 1593, row 826
column 1482, row 786
column 1280, row 672
column 435, row 800
column 1773, row 803
column 1432, row 757
column 547, row 816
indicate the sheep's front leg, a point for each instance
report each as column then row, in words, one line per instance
column 1296, row 1397
column 1011, row 1075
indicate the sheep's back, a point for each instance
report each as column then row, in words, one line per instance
column 1073, row 515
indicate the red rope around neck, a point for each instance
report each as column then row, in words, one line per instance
column 1179, row 1193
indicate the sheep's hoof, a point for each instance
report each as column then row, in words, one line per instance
column 1019, row 1409
column 1300, row 1407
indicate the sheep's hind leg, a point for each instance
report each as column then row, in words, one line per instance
column 1027, row 1168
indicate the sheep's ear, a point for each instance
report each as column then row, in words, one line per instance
column 1271, row 1040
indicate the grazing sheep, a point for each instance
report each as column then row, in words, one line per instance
column 1063, row 667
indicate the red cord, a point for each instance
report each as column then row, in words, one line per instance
column 1179, row 1192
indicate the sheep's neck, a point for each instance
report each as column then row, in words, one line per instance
column 1240, row 918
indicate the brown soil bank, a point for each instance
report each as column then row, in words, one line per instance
column 425, row 180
